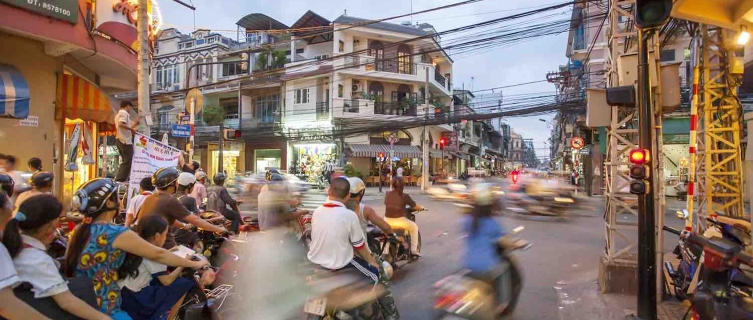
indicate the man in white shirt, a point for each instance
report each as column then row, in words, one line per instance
column 336, row 234
column 124, row 134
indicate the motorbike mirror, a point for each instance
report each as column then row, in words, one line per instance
column 682, row 214
column 518, row 229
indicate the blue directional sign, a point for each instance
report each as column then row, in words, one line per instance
column 181, row 130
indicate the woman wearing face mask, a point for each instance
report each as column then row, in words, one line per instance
column 10, row 306
column 98, row 247
column 27, row 236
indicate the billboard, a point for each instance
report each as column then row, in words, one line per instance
column 66, row 10
column 117, row 19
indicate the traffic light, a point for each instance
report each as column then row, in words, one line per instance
column 381, row 156
column 232, row 134
column 652, row 13
column 640, row 171
column 442, row 143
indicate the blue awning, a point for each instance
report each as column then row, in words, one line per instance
column 14, row 93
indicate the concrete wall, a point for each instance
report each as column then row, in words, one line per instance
column 39, row 71
column 302, row 111
column 313, row 50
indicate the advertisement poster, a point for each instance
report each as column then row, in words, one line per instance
column 148, row 156
column 117, row 19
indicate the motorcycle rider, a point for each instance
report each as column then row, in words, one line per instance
column 41, row 183
column 480, row 252
column 275, row 209
column 218, row 199
column 199, row 191
column 165, row 180
column 366, row 214
column 35, row 165
column 395, row 202
column 335, row 235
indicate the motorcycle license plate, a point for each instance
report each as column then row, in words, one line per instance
column 315, row 306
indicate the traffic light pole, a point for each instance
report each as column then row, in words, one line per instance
column 646, row 217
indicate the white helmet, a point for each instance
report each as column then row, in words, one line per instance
column 356, row 185
column 200, row 175
column 186, row 178
column 481, row 193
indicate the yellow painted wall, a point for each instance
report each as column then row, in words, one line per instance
column 39, row 70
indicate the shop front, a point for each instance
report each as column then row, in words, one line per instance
column 233, row 159
column 310, row 159
column 264, row 155
column 676, row 136
column 364, row 159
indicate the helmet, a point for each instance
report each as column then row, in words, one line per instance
column 91, row 197
column 356, row 185
column 7, row 184
column 164, row 177
column 219, row 178
column 276, row 177
column 42, row 179
column 200, row 175
column 481, row 194
column 186, row 178
column 398, row 183
column 269, row 174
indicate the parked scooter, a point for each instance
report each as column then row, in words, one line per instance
column 464, row 295
column 721, row 294
column 394, row 249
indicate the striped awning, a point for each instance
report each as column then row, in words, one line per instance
column 373, row 150
column 80, row 99
column 14, row 93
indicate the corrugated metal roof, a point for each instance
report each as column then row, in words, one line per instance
column 260, row 21
column 386, row 26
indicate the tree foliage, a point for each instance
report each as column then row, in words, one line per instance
column 214, row 115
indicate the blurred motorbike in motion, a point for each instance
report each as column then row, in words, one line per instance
column 342, row 295
column 468, row 296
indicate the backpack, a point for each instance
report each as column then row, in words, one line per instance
column 214, row 201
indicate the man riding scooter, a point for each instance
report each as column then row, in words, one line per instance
column 395, row 202
column 218, row 199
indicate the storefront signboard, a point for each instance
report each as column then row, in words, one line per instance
column 66, row 10
column 117, row 19
column 148, row 156
column 30, row 121
column 181, row 130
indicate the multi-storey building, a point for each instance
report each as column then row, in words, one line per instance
column 366, row 77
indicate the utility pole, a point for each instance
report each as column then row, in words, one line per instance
column 646, row 216
column 425, row 143
column 143, row 67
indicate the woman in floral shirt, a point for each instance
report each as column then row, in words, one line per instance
column 98, row 247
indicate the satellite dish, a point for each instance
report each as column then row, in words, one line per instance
column 198, row 99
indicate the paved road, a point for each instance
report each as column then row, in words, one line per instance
column 562, row 251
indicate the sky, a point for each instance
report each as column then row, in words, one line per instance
column 523, row 62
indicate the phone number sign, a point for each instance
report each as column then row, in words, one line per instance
column 66, row 10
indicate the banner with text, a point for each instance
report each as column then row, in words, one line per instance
column 148, row 156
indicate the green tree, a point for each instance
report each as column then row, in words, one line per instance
column 261, row 61
column 279, row 59
column 214, row 115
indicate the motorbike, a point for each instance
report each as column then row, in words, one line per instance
column 722, row 293
column 342, row 295
column 394, row 249
column 468, row 296
column 204, row 304
column 691, row 256
column 547, row 204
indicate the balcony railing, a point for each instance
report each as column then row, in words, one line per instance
column 369, row 63
column 351, row 106
column 395, row 108
column 439, row 78
column 322, row 111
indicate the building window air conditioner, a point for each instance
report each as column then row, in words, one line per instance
column 357, row 87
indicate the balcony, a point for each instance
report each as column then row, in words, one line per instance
column 442, row 81
column 395, row 108
column 322, row 111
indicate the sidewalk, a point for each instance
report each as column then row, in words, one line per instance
column 582, row 300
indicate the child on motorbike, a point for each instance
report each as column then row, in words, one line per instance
column 27, row 237
column 150, row 292
column 98, row 247
column 10, row 306
column 480, row 254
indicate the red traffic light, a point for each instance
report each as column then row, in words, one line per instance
column 443, row 141
column 639, row 156
column 381, row 155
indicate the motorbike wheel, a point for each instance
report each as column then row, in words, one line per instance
column 517, row 287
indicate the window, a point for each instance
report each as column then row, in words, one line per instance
column 211, row 40
column 188, row 45
column 266, row 107
column 322, row 57
column 667, row 55
column 167, row 76
column 341, row 46
column 180, row 46
column 301, row 96
column 299, row 50
column 340, row 90
column 231, row 69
